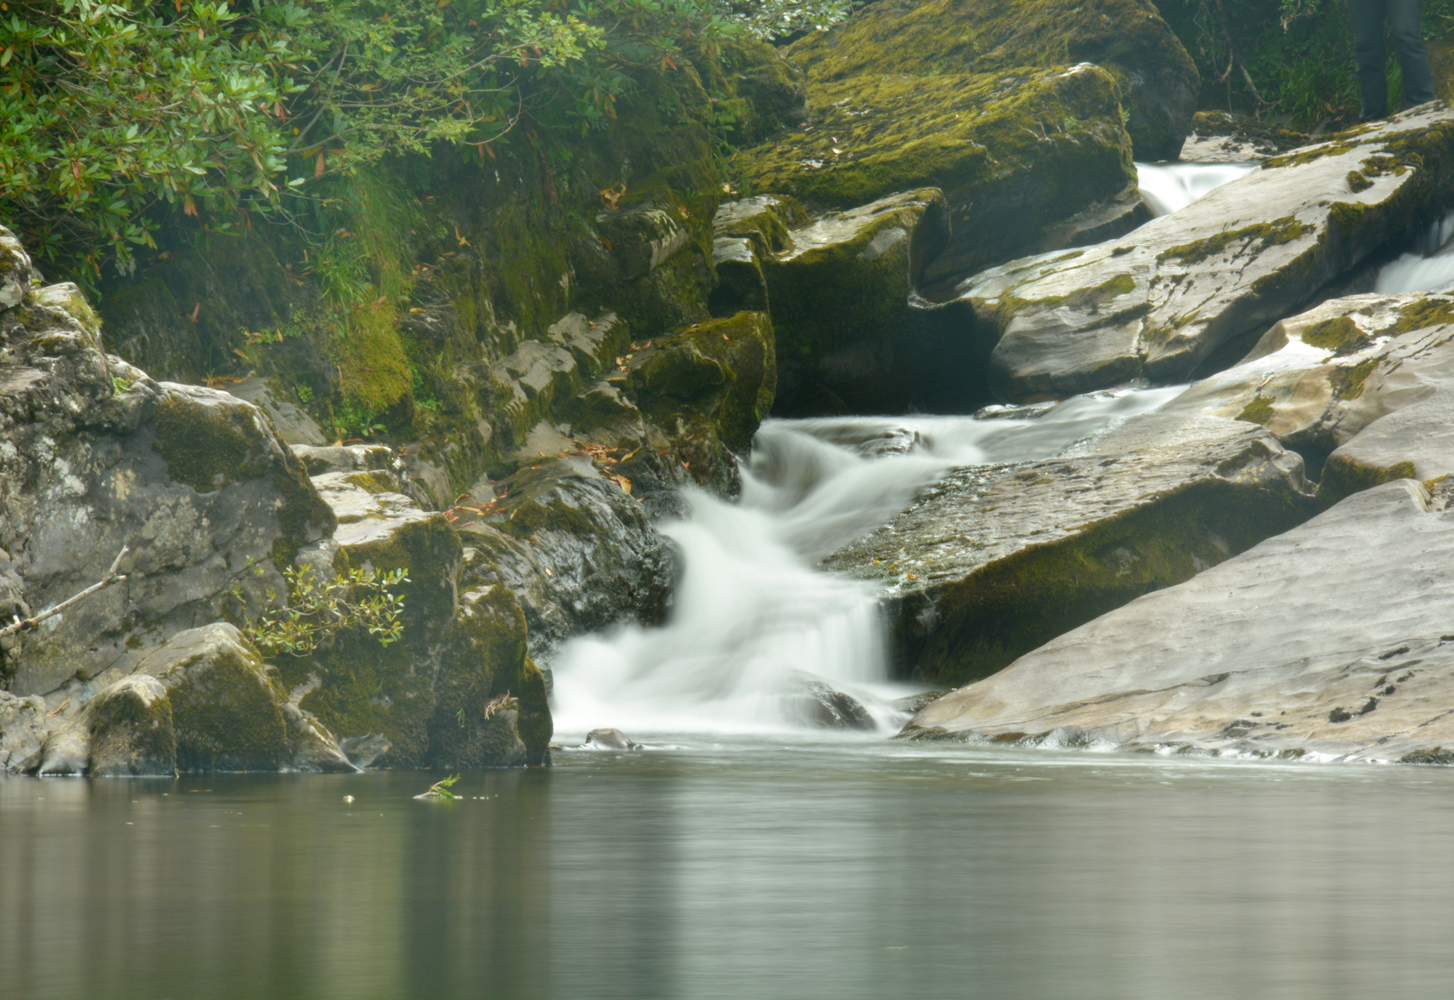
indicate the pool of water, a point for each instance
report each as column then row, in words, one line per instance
column 775, row 867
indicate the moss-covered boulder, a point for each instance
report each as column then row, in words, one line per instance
column 1327, row 642
column 1015, row 154
column 993, row 561
column 228, row 709
column 755, row 90
column 1363, row 386
column 1157, row 81
column 1224, row 137
column 1160, row 301
column 131, row 725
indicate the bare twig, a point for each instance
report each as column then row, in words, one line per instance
column 24, row 625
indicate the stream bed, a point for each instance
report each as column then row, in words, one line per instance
column 744, row 867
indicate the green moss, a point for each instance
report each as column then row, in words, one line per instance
column 1343, row 476
column 207, row 445
column 1298, row 157
column 226, row 716
column 1340, row 335
column 1358, row 182
column 1015, row 604
column 1259, row 411
column 1264, row 234
column 1424, row 312
column 1345, row 216
column 1428, row 755
column 1347, row 382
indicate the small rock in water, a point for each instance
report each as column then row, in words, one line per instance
column 609, row 739
column 348, row 798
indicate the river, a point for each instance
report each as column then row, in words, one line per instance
column 742, row 867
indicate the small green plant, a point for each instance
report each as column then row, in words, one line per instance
column 318, row 608
column 305, row 392
column 119, row 385
column 441, row 789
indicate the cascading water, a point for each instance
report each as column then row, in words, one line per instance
column 752, row 617
column 1168, row 187
column 1430, row 270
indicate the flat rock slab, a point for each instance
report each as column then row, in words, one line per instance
column 1157, row 302
column 1366, row 381
column 993, row 561
column 1331, row 640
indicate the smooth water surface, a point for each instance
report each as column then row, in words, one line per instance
column 743, row 868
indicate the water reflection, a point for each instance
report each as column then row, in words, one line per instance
column 736, row 869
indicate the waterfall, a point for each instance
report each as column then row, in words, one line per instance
column 753, row 616
column 1168, row 187
column 1430, row 270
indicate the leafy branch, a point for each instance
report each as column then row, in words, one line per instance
column 318, row 607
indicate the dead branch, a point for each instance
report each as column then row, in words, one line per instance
column 26, row 624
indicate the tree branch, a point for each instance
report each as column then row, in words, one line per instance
column 111, row 577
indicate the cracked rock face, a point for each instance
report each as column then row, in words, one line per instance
column 992, row 561
column 1330, row 640
column 1157, row 302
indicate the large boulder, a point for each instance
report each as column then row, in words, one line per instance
column 1363, row 386
column 992, row 561
column 97, row 456
column 1017, row 155
column 1158, row 302
column 1330, row 640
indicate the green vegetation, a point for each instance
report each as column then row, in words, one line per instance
column 1289, row 60
column 441, row 789
column 116, row 117
column 318, row 608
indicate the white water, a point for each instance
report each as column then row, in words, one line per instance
column 1432, row 271
column 1168, row 187
column 752, row 614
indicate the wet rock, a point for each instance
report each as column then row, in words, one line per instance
column 131, row 729
column 228, row 710
column 817, row 704
column 1328, row 640
column 97, row 456
column 1158, row 302
column 993, row 561
column 319, row 460
column 609, row 739
column 578, row 553
column 1362, row 385
column 362, row 751
column 293, row 425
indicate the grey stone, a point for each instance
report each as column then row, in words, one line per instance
column 992, row 561
column 609, row 739
column 131, row 729
column 293, row 425
column 1157, row 302
column 1329, row 641
column 15, row 270
column 1365, row 382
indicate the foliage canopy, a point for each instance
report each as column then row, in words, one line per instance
column 114, row 112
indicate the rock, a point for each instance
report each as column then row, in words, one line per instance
column 22, row 728
column 293, row 425
column 1223, row 137
column 131, row 729
column 1155, row 78
column 96, row 456
column 362, row 751
column 1016, row 153
column 993, row 561
column 1158, row 302
column 230, row 713
column 1363, row 386
column 609, row 739
column 15, row 270
column 768, row 87
column 1330, row 640
column 578, row 553
column 817, row 704
column 839, row 288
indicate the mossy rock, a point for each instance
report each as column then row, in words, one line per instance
column 1156, row 78
column 724, row 369
column 487, row 660
column 226, row 707
column 132, row 729
column 1016, row 154
column 15, row 270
